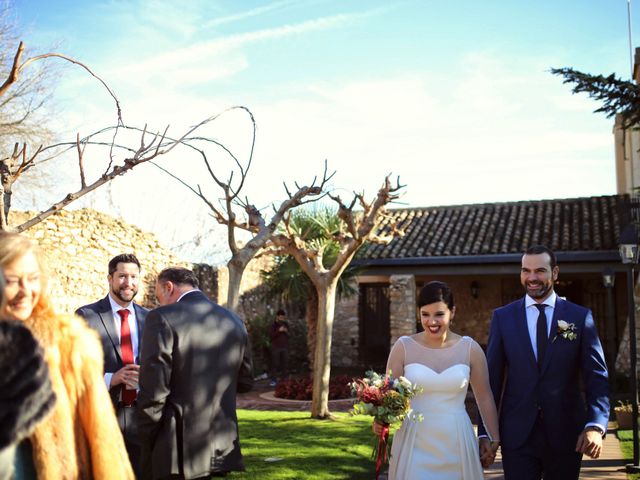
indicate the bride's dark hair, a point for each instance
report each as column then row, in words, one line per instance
column 434, row 292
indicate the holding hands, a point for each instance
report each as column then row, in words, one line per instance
column 488, row 451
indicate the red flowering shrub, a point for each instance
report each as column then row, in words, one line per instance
column 301, row 388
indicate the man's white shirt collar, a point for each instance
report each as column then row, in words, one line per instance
column 550, row 301
column 115, row 306
column 186, row 293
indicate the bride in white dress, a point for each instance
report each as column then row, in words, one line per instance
column 443, row 446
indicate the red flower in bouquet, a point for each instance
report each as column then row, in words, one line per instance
column 370, row 394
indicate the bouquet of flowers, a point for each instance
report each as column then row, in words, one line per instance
column 387, row 400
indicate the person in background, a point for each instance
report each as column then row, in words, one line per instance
column 119, row 322
column 195, row 358
column 80, row 438
column 279, row 334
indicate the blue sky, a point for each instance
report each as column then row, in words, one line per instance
column 454, row 97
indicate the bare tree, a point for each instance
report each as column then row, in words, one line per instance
column 14, row 164
column 358, row 227
column 19, row 160
column 24, row 109
column 237, row 213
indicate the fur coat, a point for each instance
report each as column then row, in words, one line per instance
column 25, row 390
column 80, row 439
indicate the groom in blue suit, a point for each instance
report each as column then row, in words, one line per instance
column 542, row 350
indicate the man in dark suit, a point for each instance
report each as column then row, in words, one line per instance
column 120, row 323
column 195, row 357
column 542, row 351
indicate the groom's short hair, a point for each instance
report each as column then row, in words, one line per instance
column 539, row 250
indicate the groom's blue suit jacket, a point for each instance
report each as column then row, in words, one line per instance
column 571, row 388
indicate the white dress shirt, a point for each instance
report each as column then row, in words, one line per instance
column 133, row 328
column 532, row 317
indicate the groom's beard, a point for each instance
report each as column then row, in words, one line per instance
column 125, row 294
column 538, row 290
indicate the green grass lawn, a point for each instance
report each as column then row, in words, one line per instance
column 626, row 445
column 307, row 448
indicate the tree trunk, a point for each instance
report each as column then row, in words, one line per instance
column 4, row 221
column 322, row 365
column 311, row 316
column 236, row 269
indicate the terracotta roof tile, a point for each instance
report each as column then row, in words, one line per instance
column 565, row 225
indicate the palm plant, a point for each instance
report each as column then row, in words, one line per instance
column 319, row 227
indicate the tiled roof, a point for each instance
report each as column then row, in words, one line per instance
column 564, row 225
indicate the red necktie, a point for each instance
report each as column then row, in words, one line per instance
column 126, row 348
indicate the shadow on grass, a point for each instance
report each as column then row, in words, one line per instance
column 626, row 445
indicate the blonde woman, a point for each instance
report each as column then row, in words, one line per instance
column 80, row 438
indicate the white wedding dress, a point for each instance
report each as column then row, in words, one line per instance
column 443, row 446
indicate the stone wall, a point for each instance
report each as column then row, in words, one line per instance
column 78, row 245
column 402, row 308
column 344, row 346
column 473, row 315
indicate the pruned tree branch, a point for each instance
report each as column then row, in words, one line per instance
column 17, row 68
column 253, row 220
column 145, row 153
column 359, row 227
column 14, row 72
column 83, row 182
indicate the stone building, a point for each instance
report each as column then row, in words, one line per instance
column 476, row 249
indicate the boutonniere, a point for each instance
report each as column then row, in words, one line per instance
column 567, row 330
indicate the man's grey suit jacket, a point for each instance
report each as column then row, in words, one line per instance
column 100, row 317
column 195, row 357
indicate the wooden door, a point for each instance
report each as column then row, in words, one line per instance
column 374, row 324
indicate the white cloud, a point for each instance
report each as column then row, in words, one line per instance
column 444, row 137
column 216, row 51
column 247, row 14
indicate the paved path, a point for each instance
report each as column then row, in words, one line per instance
column 609, row 466
column 262, row 398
